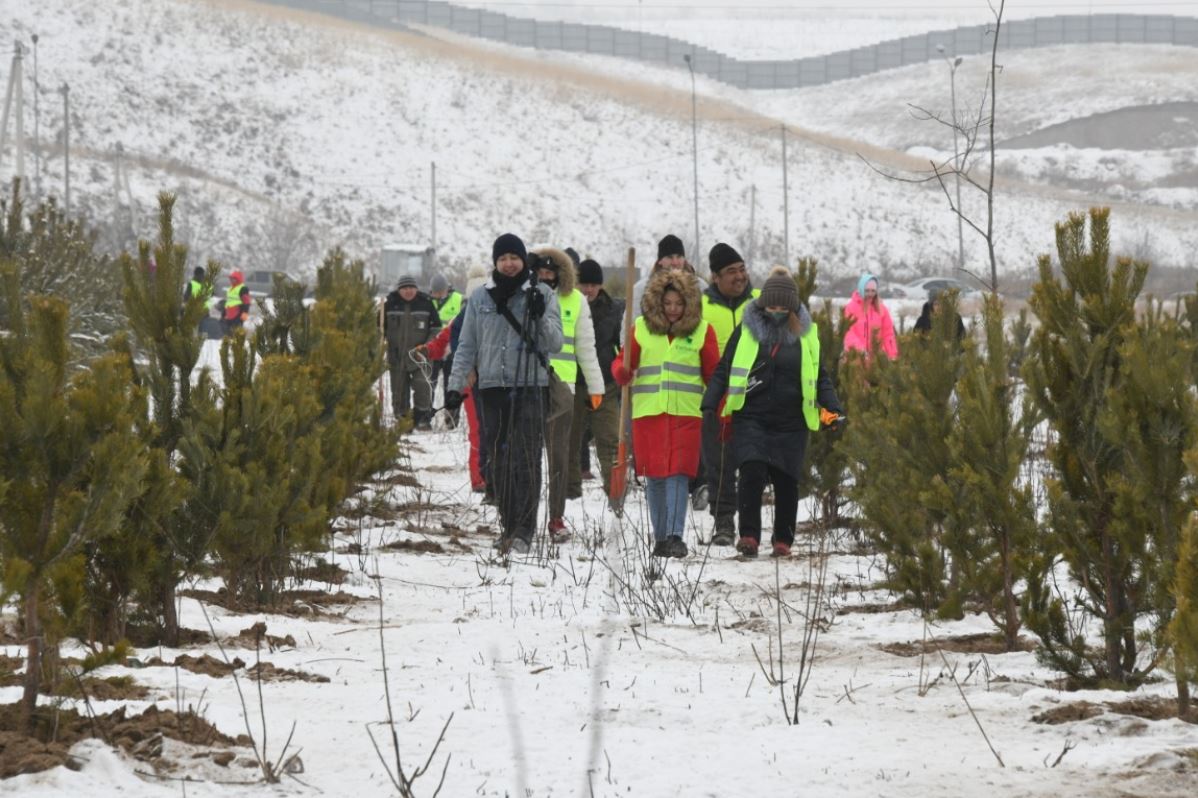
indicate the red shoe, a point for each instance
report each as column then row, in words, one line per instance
column 557, row 531
column 780, row 550
column 747, row 547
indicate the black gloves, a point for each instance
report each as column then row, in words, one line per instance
column 453, row 400
column 536, row 304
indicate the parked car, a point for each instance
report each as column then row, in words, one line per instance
column 923, row 288
column 262, row 283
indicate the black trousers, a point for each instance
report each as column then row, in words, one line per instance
column 717, row 465
column 754, row 475
column 514, row 438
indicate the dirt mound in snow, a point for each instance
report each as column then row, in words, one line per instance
column 294, row 603
column 984, row 643
column 207, row 665
column 1146, row 707
column 150, row 636
column 256, row 635
column 56, row 730
column 112, row 688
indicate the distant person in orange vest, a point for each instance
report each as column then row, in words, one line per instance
column 237, row 303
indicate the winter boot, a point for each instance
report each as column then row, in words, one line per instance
column 662, row 548
column 725, row 531
column 557, row 531
column 780, row 550
column 677, row 547
column 747, row 547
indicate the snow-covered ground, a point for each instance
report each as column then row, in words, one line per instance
column 557, row 689
column 272, row 124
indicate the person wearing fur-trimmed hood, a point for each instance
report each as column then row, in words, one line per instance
column 769, row 387
column 669, row 358
column 556, row 270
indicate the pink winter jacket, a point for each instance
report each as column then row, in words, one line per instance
column 869, row 321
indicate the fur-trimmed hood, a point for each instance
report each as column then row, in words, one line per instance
column 567, row 277
column 652, row 308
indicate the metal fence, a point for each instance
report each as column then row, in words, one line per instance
column 777, row 74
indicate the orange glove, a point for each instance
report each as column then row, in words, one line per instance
column 829, row 419
column 596, row 400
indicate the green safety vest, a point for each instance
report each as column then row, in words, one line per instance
column 746, row 355
column 669, row 377
column 723, row 318
column 565, row 362
column 449, row 307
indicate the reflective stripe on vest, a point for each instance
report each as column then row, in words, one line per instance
column 233, row 301
column 746, row 355
column 723, row 318
column 450, row 307
column 669, row 377
column 565, row 362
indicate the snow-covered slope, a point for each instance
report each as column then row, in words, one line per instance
column 273, row 125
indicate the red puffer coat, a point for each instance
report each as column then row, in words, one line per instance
column 666, row 445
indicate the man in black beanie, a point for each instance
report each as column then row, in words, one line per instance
column 510, row 328
column 724, row 304
column 671, row 254
column 607, row 317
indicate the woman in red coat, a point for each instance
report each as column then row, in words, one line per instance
column 669, row 358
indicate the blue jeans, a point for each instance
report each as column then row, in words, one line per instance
column 667, row 498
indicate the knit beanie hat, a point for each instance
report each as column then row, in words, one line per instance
column 670, row 245
column 779, row 290
column 864, row 281
column 407, row 281
column 508, row 244
column 722, row 255
column 439, row 283
column 573, row 256
column 590, row 273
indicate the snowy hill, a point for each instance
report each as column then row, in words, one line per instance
column 285, row 132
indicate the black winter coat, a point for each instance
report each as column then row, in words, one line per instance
column 408, row 325
column 770, row 427
column 607, row 316
column 924, row 323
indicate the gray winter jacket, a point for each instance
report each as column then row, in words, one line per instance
column 489, row 344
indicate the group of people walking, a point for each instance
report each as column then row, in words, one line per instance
column 726, row 384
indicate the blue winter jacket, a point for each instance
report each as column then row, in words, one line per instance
column 489, row 344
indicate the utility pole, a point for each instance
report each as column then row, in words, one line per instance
column 785, row 204
column 66, row 149
column 37, row 131
column 952, row 77
column 752, row 222
column 15, row 93
column 694, row 148
column 433, row 206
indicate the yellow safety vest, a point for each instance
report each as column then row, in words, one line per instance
column 565, row 362
column 669, row 376
column 233, row 301
column 746, row 355
column 450, row 307
column 723, row 318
